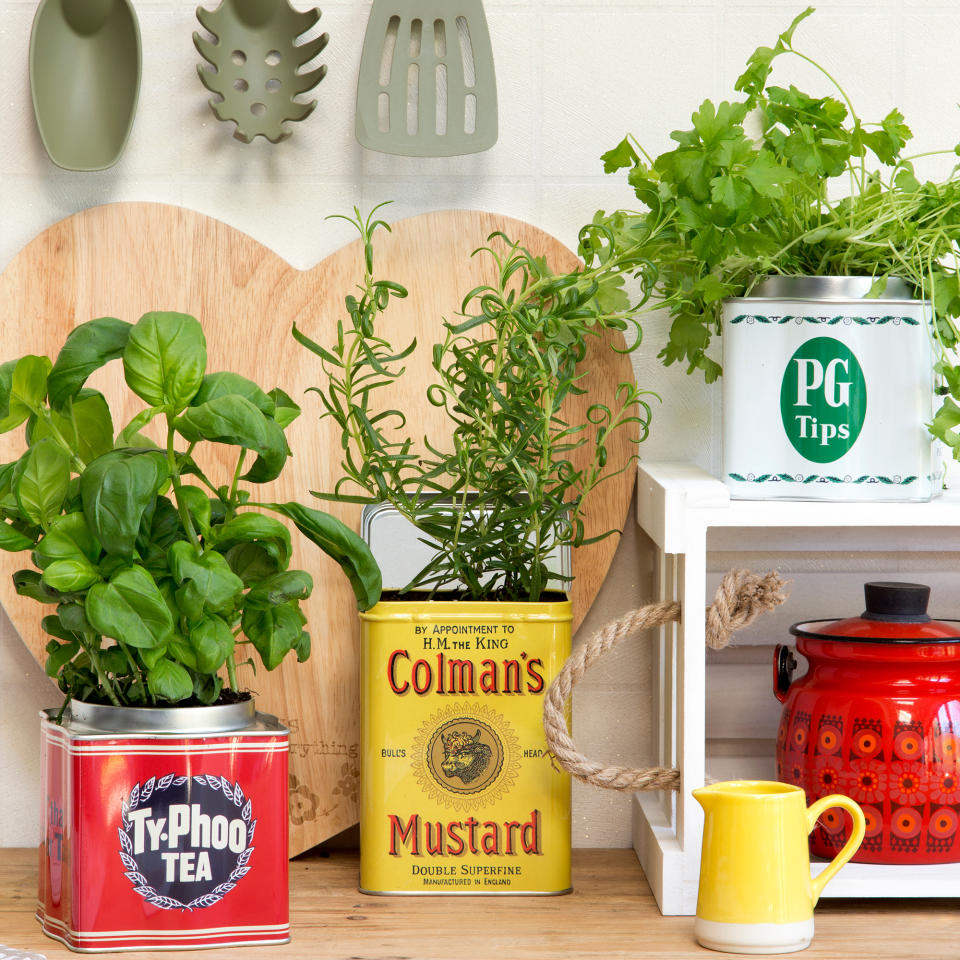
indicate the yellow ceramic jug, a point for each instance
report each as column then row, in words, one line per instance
column 756, row 891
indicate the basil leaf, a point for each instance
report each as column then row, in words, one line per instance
column 251, row 562
column 130, row 608
column 69, row 538
column 235, row 420
column 212, row 643
column 286, row 410
column 27, row 584
column 207, row 688
column 60, row 654
column 208, row 582
column 86, row 426
column 116, row 490
column 198, row 505
column 232, row 384
column 43, row 481
column 180, row 650
column 87, row 348
column 337, row 540
column 6, row 386
column 13, row 541
column 71, row 575
column 280, row 588
column 252, row 527
column 169, row 681
column 73, row 617
column 165, row 358
column 273, row 631
column 159, row 527
column 28, row 388
column 302, row 647
column 130, row 435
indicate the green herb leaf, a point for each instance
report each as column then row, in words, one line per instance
column 116, row 490
column 212, row 643
column 235, row 420
column 622, row 155
column 130, row 608
column 69, row 538
column 27, row 583
column 12, row 540
column 23, row 387
column 226, row 384
column 285, row 410
column 86, row 425
column 169, row 681
column 252, row 527
column 71, row 575
column 165, row 359
column 280, row 588
column 273, row 631
column 60, row 654
column 208, row 583
column 42, row 482
column 198, row 505
column 87, row 348
column 337, row 540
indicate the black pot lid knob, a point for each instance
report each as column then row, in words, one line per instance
column 896, row 602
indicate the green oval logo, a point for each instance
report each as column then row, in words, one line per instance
column 823, row 399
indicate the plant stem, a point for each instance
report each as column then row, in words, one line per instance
column 94, row 654
column 231, row 673
column 185, row 517
column 137, row 672
column 232, row 505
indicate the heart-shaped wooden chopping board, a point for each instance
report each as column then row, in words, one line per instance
column 125, row 259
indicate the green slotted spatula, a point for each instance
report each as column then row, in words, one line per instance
column 426, row 86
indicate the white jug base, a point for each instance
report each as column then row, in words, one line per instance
column 755, row 938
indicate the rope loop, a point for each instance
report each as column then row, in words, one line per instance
column 740, row 599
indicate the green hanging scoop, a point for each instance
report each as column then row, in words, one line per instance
column 257, row 65
column 427, row 86
column 85, row 79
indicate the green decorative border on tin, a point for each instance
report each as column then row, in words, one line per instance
column 776, row 319
column 867, row 478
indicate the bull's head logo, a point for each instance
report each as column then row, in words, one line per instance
column 464, row 756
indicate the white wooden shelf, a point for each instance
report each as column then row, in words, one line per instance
column 678, row 505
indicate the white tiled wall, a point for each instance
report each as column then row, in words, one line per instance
column 573, row 77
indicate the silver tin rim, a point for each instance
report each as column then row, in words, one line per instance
column 828, row 288
column 220, row 718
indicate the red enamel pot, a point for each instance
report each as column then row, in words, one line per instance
column 877, row 718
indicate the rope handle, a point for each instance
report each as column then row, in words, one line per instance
column 741, row 597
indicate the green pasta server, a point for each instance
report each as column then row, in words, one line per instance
column 258, row 66
column 427, row 86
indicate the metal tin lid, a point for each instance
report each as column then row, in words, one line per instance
column 827, row 288
column 220, row 718
column 401, row 550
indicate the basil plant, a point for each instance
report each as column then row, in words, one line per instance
column 153, row 574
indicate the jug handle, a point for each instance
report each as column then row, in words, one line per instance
column 814, row 812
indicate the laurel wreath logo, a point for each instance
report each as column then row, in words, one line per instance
column 140, row 794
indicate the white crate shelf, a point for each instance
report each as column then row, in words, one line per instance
column 678, row 505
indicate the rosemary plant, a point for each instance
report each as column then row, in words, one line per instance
column 497, row 500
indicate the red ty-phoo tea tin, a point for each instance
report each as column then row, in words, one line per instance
column 163, row 829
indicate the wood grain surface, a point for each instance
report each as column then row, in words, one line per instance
column 125, row 259
column 611, row 913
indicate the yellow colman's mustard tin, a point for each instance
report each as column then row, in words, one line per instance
column 459, row 792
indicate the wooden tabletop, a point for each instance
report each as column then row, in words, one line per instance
column 611, row 913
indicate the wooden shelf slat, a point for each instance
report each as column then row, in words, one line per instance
column 611, row 913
